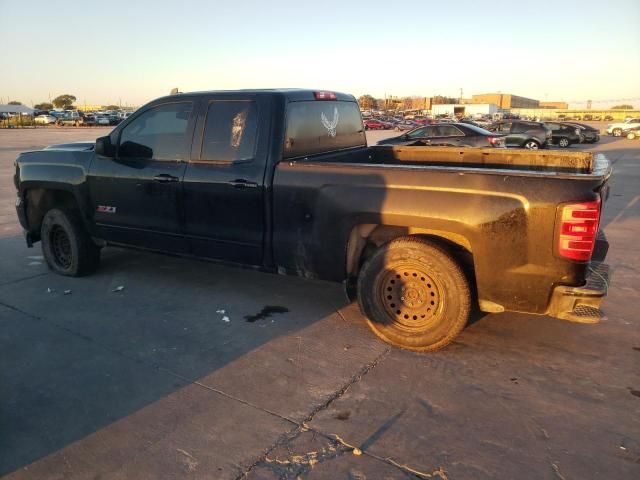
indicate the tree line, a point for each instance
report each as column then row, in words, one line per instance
column 64, row 102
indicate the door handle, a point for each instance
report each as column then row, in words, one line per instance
column 242, row 183
column 165, row 178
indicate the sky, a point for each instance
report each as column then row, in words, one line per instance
column 130, row 52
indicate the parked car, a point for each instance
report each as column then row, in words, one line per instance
column 616, row 129
column 588, row 133
column 45, row 119
column 530, row 135
column 587, row 118
column 608, row 118
column 70, row 118
column 200, row 175
column 632, row 133
column 405, row 125
column 373, row 124
column 563, row 134
column 102, row 120
column 458, row 135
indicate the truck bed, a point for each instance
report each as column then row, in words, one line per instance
column 550, row 161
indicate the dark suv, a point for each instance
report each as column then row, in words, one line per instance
column 531, row 135
column 563, row 134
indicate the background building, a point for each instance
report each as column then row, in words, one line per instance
column 558, row 105
column 464, row 110
column 505, row 101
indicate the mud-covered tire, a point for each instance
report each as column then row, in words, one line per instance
column 67, row 247
column 414, row 295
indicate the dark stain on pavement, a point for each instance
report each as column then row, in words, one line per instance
column 344, row 415
column 266, row 312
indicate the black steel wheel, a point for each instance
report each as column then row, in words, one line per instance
column 67, row 247
column 414, row 294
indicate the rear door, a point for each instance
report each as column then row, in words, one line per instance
column 224, row 194
column 504, row 128
column 447, row 135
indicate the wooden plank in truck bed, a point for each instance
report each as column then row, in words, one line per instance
column 580, row 162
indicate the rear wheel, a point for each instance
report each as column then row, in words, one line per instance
column 414, row 295
column 531, row 145
column 631, row 135
column 563, row 142
column 67, row 247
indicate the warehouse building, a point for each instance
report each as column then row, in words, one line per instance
column 505, row 101
column 464, row 110
column 557, row 105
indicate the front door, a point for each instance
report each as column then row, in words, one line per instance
column 224, row 209
column 137, row 195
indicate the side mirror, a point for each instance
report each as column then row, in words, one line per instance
column 104, row 147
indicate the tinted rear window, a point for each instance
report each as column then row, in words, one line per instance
column 525, row 127
column 321, row 126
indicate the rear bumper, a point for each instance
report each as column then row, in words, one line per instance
column 582, row 304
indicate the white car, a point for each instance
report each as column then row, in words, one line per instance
column 45, row 119
column 616, row 129
column 102, row 120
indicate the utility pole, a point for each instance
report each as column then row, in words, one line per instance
column 461, row 95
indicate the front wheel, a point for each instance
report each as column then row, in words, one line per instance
column 563, row 142
column 67, row 247
column 414, row 295
column 531, row 145
column 617, row 132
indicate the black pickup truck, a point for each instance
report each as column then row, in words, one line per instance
column 283, row 181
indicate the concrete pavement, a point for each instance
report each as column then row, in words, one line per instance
column 153, row 382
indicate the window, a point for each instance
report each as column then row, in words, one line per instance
column 230, row 131
column 449, row 131
column 159, row 133
column 322, row 126
column 522, row 127
column 421, row 132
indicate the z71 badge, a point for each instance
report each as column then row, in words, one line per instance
column 106, row 209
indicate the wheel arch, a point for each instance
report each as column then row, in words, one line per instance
column 40, row 199
column 364, row 239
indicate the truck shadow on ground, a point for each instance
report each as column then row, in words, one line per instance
column 79, row 354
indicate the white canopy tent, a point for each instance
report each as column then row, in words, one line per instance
column 19, row 109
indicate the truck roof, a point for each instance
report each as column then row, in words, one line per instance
column 289, row 94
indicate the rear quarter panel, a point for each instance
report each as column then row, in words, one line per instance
column 505, row 220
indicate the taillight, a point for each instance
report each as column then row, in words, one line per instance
column 496, row 141
column 325, row 95
column 578, row 229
